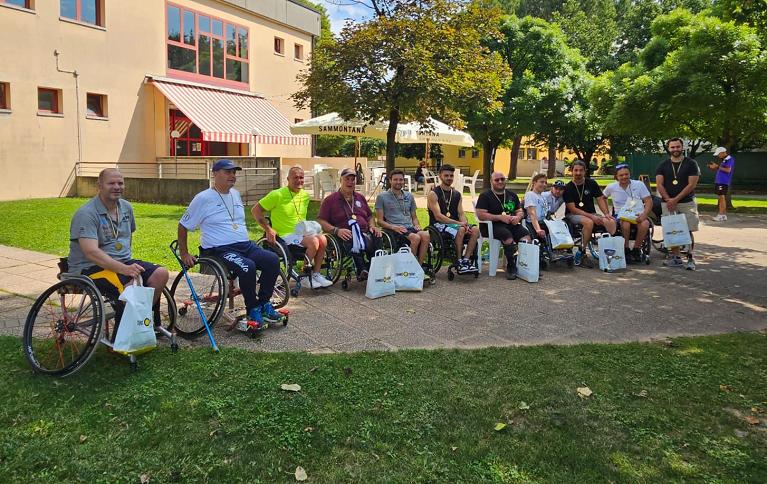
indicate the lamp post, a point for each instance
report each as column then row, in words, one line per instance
column 256, row 132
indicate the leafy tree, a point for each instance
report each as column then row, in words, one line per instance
column 698, row 76
column 591, row 27
column 412, row 60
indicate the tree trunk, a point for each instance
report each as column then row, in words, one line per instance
column 514, row 157
column 391, row 135
column 587, row 156
column 488, row 155
column 551, row 172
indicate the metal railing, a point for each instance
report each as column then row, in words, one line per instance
column 191, row 170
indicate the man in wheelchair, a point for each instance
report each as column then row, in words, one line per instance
column 288, row 206
column 501, row 207
column 633, row 202
column 446, row 215
column 396, row 213
column 346, row 215
column 220, row 215
column 100, row 237
column 580, row 195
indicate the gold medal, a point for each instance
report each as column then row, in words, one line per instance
column 354, row 217
column 675, row 182
column 235, row 226
column 118, row 246
column 580, row 204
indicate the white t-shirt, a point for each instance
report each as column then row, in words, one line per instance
column 553, row 203
column 636, row 190
column 536, row 200
column 220, row 217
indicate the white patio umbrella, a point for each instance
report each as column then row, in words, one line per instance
column 433, row 132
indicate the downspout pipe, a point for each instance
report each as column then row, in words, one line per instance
column 74, row 73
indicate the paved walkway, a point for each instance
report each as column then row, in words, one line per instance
column 727, row 293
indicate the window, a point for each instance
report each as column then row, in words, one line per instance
column 206, row 46
column 298, row 52
column 5, row 95
column 86, row 11
column 28, row 4
column 96, row 106
column 48, row 101
column 279, row 46
column 532, row 154
column 462, row 153
column 475, row 153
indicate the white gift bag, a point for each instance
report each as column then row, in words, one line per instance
column 676, row 233
column 528, row 259
column 559, row 234
column 408, row 273
column 612, row 256
column 380, row 276
column 135, row 334
column 631, row 210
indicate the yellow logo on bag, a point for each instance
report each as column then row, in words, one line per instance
column 147, row 321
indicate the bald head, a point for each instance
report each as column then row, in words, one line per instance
column 108, row 172
column 111, row 186
column 498, row 180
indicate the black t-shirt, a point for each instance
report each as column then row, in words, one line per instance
column 684, row 170
column 496, row 204
column 586, row 193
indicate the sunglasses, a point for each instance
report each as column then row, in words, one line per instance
column 499, row 179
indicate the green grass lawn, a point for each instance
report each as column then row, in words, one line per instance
column 659, row 413
column 43, row 225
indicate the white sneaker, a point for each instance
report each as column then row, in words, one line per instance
column 306, row 281
column 719, row 218
column 319, row 280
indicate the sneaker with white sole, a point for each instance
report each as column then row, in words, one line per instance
column 690, row 264
column 307, row 281
column 673, row 261
column 319, row 280
column 719, row 218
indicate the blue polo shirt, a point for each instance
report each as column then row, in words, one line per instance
column 91, row 221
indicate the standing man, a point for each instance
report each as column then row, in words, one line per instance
column 579, row 196
column 724, row 169
column 100, row 242
column 346, row 214
column 396, row 212
column 288, row 206
column 446, row 215
column 501, row 206
column 676, row 179
column 220, row 215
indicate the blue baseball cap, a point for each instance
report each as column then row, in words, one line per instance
column 559, row 184
column 225, row 165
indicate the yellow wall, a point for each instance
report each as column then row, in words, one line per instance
column 113, row 61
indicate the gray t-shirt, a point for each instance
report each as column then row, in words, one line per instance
column 91, row 221
column 397, row 210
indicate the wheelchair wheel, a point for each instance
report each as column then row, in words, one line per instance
column 63, row 327
column 279, row 250
column 435, row 255
column 211, row 285
column 168, row 310
column 388, row 242
column 332, row 266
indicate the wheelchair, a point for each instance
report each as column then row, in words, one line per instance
column 292, row 255
column 548, row 255
column 216, row 286
column 391, row 243
column 444, row 249
column 69, row 319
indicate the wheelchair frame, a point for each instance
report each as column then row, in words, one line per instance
column 89, row 318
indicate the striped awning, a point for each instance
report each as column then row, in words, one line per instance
column 229, row 116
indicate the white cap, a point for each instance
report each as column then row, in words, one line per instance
column 720, row 150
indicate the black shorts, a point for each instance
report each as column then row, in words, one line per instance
column 105, row 280
column 401, row 240
column 721, row 189
column 502, row 231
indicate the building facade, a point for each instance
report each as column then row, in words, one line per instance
column 96, row 81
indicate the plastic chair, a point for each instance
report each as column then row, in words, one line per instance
column 429, row 181
column 470, row 183
column 494, row 247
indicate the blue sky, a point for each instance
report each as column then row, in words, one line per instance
column 347, row 10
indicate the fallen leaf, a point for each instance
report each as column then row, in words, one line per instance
column 313, row 369
column 725, row 388
column 524, row 406
column 292, row 387
column 411, row 311
column 499, row 426
column 751, row 420
column 641, row 394
column 83, row 438
column 454, row 448
column 144, row 478
column 301, row 474
column 584, row 392
column 309, row 429
column 213, row 432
